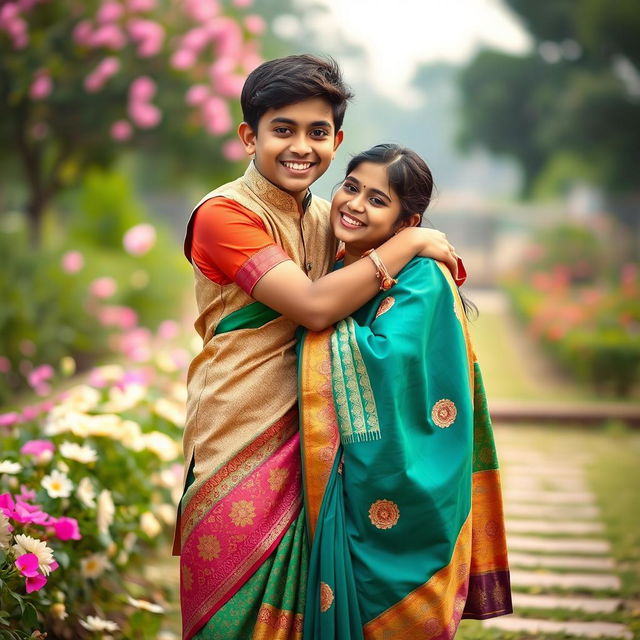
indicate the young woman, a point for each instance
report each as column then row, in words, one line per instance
column 401, row 483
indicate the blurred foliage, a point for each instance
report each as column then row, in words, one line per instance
column 577, row 94
column 590, row 324
column 52, row 311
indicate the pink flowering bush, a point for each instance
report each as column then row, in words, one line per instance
column 588, row 322
column 88, row 487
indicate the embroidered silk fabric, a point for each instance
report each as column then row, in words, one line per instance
column 397, row 448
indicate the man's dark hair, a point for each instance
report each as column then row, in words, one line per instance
column 284, row 81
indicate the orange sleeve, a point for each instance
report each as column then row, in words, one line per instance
column 229, row 243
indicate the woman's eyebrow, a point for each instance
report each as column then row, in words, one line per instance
column 364, row 186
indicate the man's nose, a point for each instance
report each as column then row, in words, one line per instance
column 300, row 145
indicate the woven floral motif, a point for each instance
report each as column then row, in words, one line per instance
column 444, row 413
column 208, row 547
column 384, row 514
column 278, row 478
column 326, row 597
column 242, row 513
column 385, row 305
column 187, row 577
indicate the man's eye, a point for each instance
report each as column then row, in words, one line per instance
column 319, row 133
column 282, row 130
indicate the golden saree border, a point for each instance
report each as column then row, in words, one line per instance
column 319, row 432
column 235, row 471
column 433, row 610
column 277, row 624
column 257, row 265
column 458, row 309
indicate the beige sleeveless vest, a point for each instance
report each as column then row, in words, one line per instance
column 245, row 380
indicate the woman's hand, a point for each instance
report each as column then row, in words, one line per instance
column 431, row 243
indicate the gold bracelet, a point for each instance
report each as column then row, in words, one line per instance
column 386, row 281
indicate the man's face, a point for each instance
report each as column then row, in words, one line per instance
column 294, row 145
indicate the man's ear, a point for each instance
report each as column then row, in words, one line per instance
column 248, row 137
column 337, row 141
column 412, row 221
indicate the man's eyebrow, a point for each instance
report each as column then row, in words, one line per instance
column 283, row 120
column 382, row 193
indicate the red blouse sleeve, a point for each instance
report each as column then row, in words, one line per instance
column 229, row 244
column 462, row 273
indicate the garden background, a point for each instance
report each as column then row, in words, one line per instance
column 117, row 115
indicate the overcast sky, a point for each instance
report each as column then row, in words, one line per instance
column 399, row 34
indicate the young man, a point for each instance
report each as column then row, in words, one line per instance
column 262, row 249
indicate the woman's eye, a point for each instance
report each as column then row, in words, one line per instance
column 351, row 188
column 378, row 202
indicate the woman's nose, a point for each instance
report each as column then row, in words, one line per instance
column 356, row 203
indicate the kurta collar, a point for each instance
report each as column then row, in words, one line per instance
column 272, row 195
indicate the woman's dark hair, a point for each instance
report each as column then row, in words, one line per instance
column 412, row 181
column 409, row 176
column 284, row 81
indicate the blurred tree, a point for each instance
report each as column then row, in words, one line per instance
column 81, row 80
column 576, row 95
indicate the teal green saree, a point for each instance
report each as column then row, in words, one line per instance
column 401, row 483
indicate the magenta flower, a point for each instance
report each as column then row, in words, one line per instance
column 26, row 493
column 28, row 565
column 168, row 330
column 9, row 419
column 217, row 116
column 255, row 24
column 183, row 59
column 139, row 239
column 121, row 130
column 26, row 513
column 67, row 529
column 142, row 89
column 233, row 150
column 144, row 115
column 31, row 412
column 40, row 374
column 109, row 11
column 35, row 583
column 72, row 261
column 138, row 6
column 103, row 287
column 83, row 33
column 196, row 95
column 108, row 35
column 37, row 448
column 41, row 86
column 116, row 316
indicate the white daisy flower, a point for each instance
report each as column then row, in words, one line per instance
column 130, row 434
column 5, row 533
column 94, row 565
column 81, row 398
column 145, row 605
column 171, row 411
column 57, row 484
column 94, row 623
column 161, row 444
column 73, row 451
column 27, row 544
column 105, row 425
column 106, row 511
column 123, row 399
column 8, row 466
column 86, row 493
column 149, row 524
column 63, row 420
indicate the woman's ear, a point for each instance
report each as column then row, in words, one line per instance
column 411, row 221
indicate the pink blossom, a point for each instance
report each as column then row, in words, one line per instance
column 243, row 3
column 109, row 35
column 197, row 94
column 255, row 24
column 27, row 347
column 103, row 287
column 233, row 150
column 35, row 583
column 115, row 316
column 168, row 330
column 217, row 116
column 141, row 5
column 109, row 11
column 28, row 565
column 139, row 239
column 46, row 406
column 67, row 529
column 9, row 419
column 229, row 38
column 26, row 493
column 94, row 82
column 148, row 34
column 180, row 357
column 201, row 10
column 183, row 59
column 40, row 374
column 41, row 86
column 31, row 412
column 83, row 33
column 226, row 82
column 37, row 448
column 12, row 23
column 121, row 130
column 7, row 504
column 5, row 364
column 142, row 89
column 196, row 39
column 26, row 513
column 72, row 261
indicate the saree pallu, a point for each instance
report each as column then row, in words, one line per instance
column 242, row 532
column 400, row 475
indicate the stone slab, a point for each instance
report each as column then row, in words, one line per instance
column 579, row 629
column 558, row 545
column 535, row 560
column 553, row 526
column 594, row 581
column 550, row 497
column 571, row 603
column 552, row 511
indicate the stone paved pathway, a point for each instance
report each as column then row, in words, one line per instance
column 560, row 561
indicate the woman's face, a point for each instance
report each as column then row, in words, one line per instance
column 365, row 208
